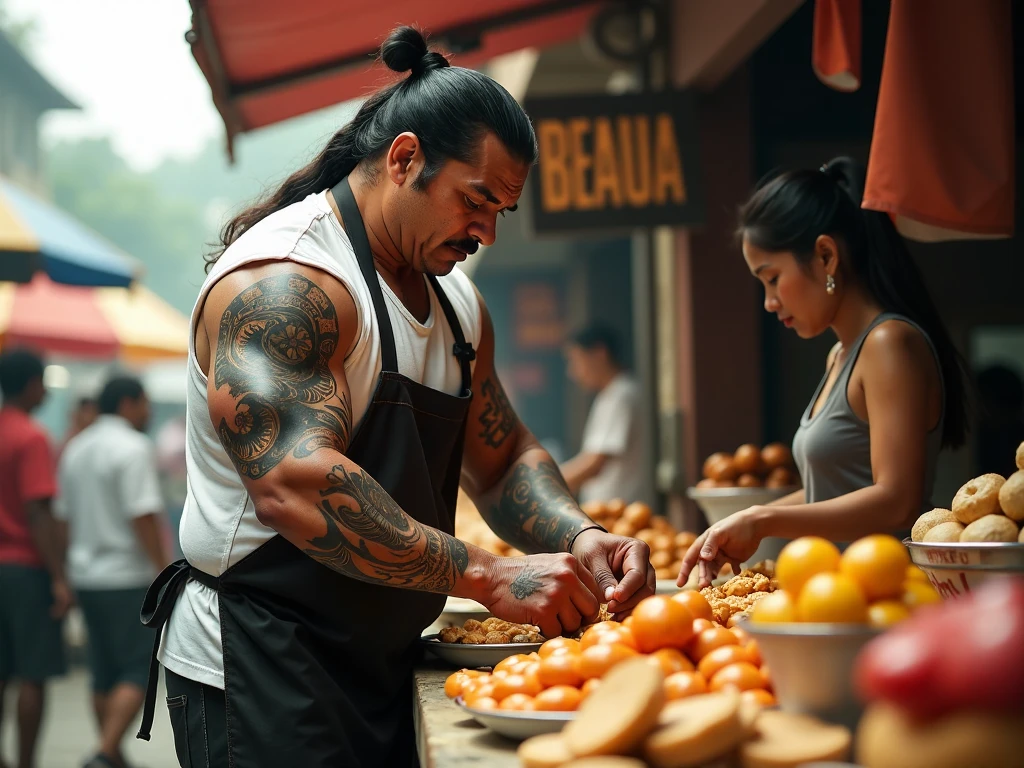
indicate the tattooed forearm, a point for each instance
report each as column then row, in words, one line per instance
column 498, row 420
column 273, row 348
column 525, row 584
column 536, row 513
column 371, row 539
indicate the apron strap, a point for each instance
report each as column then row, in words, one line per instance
column 160, row 598
column 462, row 349
column 356, row 231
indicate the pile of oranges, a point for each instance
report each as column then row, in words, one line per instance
column 871, row 582
column 674, row 634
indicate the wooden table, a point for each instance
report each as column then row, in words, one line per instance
column 445, row 737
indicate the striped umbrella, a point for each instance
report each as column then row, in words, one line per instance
column 35, row 236
column 132, row 324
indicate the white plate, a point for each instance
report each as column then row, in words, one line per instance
column 474, row 656
column 518, row 725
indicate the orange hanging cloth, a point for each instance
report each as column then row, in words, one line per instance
column 942, row 155
column 835, row 55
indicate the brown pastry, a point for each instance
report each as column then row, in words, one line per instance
column 1011, row 496
column 991, row 528
column 977, row 498
column 929, row 520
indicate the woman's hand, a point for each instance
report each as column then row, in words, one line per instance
column 732, row 540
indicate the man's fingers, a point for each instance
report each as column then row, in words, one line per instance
column 690, row 560
column 597, row 582
column 634, row 571
column 569, row 618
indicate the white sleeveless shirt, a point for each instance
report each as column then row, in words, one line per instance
column 219, row 525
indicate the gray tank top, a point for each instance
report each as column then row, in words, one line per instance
column 833, row 449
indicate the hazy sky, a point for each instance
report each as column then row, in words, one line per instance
column 126, row 63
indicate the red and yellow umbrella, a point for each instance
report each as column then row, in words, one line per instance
column 132, row 324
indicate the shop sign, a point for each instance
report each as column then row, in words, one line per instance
column 614, row 162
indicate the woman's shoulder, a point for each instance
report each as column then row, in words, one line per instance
column 897, row 344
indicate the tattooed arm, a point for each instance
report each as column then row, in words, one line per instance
column 523, row 497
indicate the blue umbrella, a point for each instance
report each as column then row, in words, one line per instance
column 36, row 236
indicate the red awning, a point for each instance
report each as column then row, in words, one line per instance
column 267, row 60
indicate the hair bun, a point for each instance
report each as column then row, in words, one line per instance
column 406, row 50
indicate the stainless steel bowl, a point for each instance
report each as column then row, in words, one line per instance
column 811, row 666
column 956, row 569
column 474, row 656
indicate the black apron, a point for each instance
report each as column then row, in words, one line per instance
column 317, row 665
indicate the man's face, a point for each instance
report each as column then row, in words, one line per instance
column 35, row 393
column 137, row 412
column 583, row 366
column 438, row 227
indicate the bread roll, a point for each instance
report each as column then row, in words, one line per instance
column 712, row 460
column 748, row 481
column 776, row 455
column 787, row 740
column 929, row 520
column 1020, row 456
column 696, row 730
column 546, row 751
column 747, row 459
column 991, row 528
column 945, row 533
column 977, row 498
column 1011, row 496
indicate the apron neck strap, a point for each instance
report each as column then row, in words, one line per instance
column 356, row 231
column 462, row 349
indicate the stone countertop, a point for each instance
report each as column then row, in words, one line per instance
column 445, row 736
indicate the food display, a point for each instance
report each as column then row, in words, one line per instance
column 873, row 582
column 940, row 704
column 750, row 467
column 490, row 631
column 629, row 716
column 637, row 521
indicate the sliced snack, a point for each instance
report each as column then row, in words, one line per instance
column 929, row 520
column 786, row 740
column 945, row 532
column 546, row 751
column 991, row 528
column 1011, row 496
column 696, row 730
column 606, row 761
column 620, row 713
column 977, row 498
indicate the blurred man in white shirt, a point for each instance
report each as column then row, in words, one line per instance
column 610, row 464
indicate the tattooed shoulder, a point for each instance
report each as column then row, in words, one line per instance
column 274, row 346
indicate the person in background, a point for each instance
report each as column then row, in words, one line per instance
column 610, row 464
column 1000, row 420
column 894, row 390
column 110, row 498
column 84, row 414
column 34, row 595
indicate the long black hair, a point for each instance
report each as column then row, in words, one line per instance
column 450, row 109
column 788, row 212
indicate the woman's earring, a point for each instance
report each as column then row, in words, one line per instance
column 830, row 285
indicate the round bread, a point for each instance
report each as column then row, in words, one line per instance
column 786, row 740
column 1020, row 456
column 620, row 713
column 548, row 750
column 775, row 455
column 747, row 459
column 748, row 481
column 607, row 761
column 711, row 461
column 888, row 739
column 945, row 533
column 991, row 528
column 977, row 498
column 1011, row 496
column 696, row 730
column 722, row 469
column 1020, row 538
column 929, row 520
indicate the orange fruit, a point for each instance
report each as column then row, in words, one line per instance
column 506, row 686
column 767, row 675
column 559, row 645
column 485, row 702
column 803, row 558
column 778, row 607
column 470, row 684
column 517, row 702
column 918, row 593
column 619, row 635
column 699, row 625
column 832, row 598
column 453, row 684
column 661, row 622
column 759, row 695
column 670, row 661
column 697, row 604
column 754, row 652
column 878, row 564
column 560, row 669
column 708, row 640
column 722, row 657
column 885, row 613
column 483, row 690
column 915, row 574
column 558, row 698
column 741, row 676
column 598, row 659
column 593, row 632
column 628, row 623
column 741, row 635
column 683, row 684
column 511, row 663
column 590, row 686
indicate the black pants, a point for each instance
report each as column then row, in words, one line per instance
column 199, row 722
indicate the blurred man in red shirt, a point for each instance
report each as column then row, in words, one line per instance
column 34, row 595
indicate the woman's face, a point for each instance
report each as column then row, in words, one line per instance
column 794, row 292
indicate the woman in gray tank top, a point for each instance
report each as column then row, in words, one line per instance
column 893, row 394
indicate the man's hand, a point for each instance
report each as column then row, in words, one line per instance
column 554, row 592
column 621, row 567
column 63, row 598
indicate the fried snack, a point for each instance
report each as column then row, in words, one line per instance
column 945, row 532
column 494, row 624
column 786, row 740
column 977, row 498
column 496, row 638
column 472, row 625
column 492, row 631
column 546, row 751
column 1011, row 496
column 474, row 638
column 606, row 761
column 734, row 599
column 528, row 637
column 696, row 730
column 991, row 528
column 451, row 634
column 620, row 714
column 929, row 520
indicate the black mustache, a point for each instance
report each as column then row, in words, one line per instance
column 468, row 246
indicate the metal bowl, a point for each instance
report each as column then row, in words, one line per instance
column 956, row 569
column 518, row 725
column 474, row 656
column 458, row 610
column 812, row 666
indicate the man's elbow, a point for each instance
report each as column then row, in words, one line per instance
column 272, row 507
